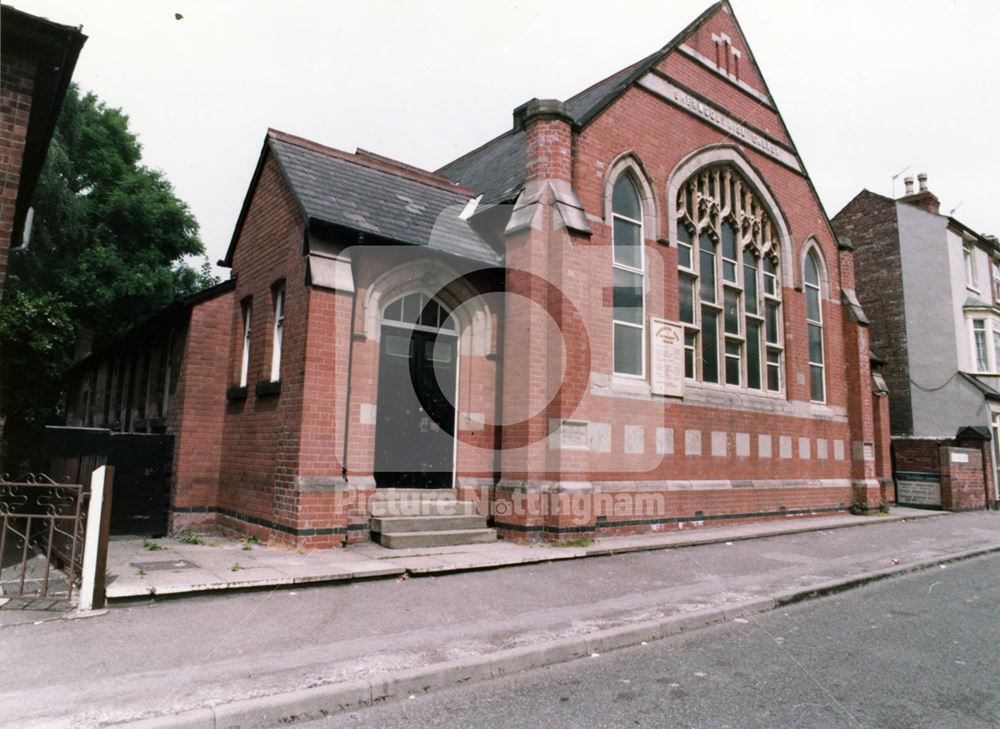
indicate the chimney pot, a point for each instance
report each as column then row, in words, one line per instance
column 908, row 185
column 922, row 179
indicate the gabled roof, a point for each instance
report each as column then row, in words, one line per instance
column 387, row 201
column 496, row 169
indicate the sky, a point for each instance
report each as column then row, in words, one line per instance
column 866, row 88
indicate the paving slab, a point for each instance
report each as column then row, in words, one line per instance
column 140, row 567
column 239, row 653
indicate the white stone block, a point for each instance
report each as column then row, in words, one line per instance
column 665, row 441
column 635, row 439
column 692, row 442
column 743, row 445
column 719, row 444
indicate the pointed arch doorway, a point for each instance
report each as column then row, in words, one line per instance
column 417, row 382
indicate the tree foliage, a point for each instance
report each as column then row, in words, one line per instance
column 107, row 250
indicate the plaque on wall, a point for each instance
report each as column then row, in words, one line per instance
column 915, row 488
column 666, row 358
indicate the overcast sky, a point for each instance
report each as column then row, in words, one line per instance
column 866, row 88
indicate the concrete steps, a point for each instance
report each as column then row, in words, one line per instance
column 393, row 524
column 409, row 518
column 444, row 538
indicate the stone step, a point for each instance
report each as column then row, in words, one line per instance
column 395, row 524
column 414, row 507
column 423, row 494
column 445, row 538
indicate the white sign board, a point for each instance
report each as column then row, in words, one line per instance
column 666, row 358
column 920, row 491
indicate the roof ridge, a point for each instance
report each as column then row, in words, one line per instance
column 482, row 146
column 372, row 161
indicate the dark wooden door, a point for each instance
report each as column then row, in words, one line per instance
column 414, row 435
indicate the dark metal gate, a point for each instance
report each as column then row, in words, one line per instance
column 42, row 526
column 143, row 465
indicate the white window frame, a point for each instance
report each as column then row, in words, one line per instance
column 641, row 271
column 247, row 308
column 818, row 289
column 987, row 354
column 971, row 270
column 277, row 332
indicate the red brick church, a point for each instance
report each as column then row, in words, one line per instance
column 626, row 313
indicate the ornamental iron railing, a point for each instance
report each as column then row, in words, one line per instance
column 42, row 526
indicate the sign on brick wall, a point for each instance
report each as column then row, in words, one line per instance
column 916, row 488
column 666, row 358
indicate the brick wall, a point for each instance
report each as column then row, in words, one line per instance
column 962, row 486
column 197, row 412
column 869, row 220
column 261, row 441
column 17, row 74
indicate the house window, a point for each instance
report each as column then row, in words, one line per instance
column 996, row 280
column 279, row 325
column 979, row 342
column 730, row 297
column 245, row 361
column 814, row 322
column 969, row 254
column 628, row 280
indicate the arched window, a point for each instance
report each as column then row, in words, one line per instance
column 419, row 311
column 628, row 284
column 730, row 292
column 812, row 285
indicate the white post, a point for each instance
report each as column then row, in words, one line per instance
column 92, row 540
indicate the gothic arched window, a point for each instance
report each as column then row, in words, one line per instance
column 730, row 291
column 628, row 284
column 812, row 285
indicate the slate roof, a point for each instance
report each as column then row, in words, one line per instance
column 496, row 169
column 376, row 196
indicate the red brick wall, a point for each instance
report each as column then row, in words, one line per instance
column 17, row 75
column 883, row 448
column 962, row 486
column 869, row 220
column 261, row 441
column 198, row 409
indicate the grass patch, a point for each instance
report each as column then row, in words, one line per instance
column 249, row 542
column 152, row 546
column 192, row 539
column 236, row 567
column 578, row 542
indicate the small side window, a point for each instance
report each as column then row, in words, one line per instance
column 245, row 361
column 279, row 324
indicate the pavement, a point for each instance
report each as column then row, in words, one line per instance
column 140, row 568
column 290, row 653
column 917, row 652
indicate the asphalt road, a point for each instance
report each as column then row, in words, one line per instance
column 911, row 652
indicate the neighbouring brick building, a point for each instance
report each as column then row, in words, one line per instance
column 628, row 312
column 38, row 58
column 932, row 288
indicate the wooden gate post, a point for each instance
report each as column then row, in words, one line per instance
column 95, row 551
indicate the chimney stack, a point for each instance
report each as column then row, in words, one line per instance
column 923, row 198
column 548, row 130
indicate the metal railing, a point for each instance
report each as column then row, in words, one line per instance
column 42, row 526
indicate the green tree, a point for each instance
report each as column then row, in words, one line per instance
column 107, row 250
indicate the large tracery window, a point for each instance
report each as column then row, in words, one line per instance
column 730, row 292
